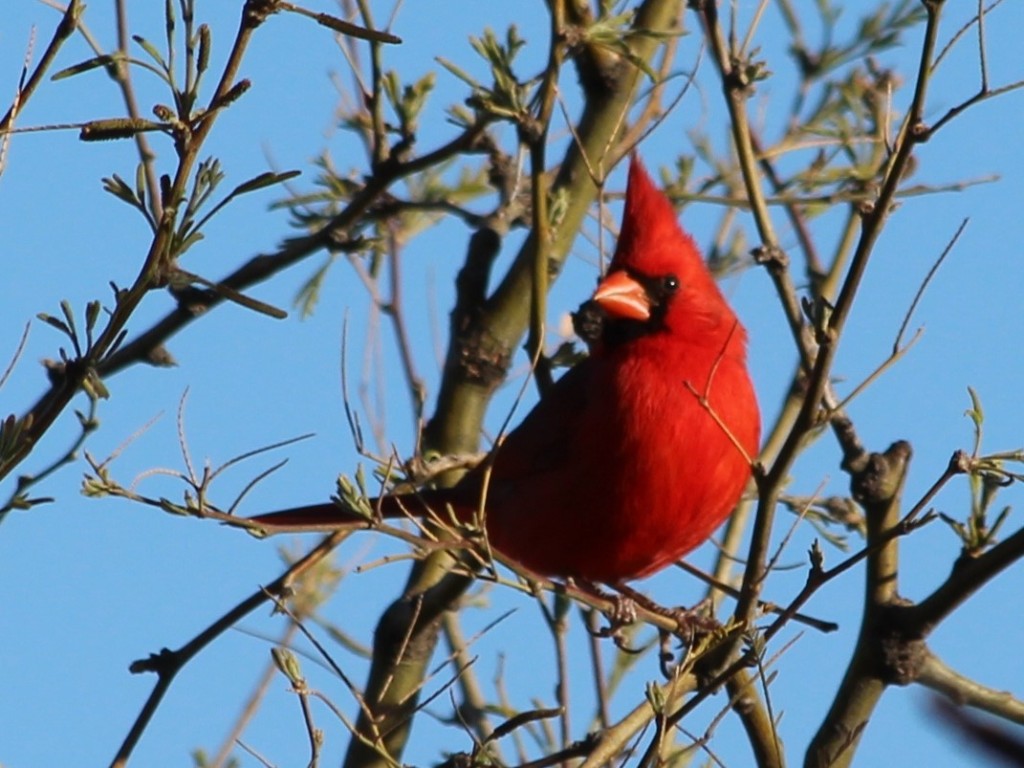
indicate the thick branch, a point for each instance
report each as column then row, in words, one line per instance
column 878, row 650
column 463, row 396
column 935, row 674
column 969, row 574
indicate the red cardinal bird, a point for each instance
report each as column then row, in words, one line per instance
column 637, row 454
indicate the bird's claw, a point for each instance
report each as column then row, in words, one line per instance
column 690, row 622
column 623, row 611
column 693, row 622
column 620, row 615
column 692, row 626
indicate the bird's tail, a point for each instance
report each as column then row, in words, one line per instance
column 336, row 515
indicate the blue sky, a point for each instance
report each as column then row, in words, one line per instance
column 91, row 585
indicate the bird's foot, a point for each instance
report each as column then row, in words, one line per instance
column 694, row 626
column 694, row 622
column 670, row 660
column 623, row 611
column 690, row 622
column 621, row 614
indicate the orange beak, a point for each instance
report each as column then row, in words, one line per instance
column 621, row 296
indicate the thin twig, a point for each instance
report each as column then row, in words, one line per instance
column 924, row 285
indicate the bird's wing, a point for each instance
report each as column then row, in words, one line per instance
column 543, row 441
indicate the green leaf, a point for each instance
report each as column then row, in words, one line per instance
column 55, row 323
column 94, row 387
column 309, row 294
column 267, row 179
column 105, row 60
column 287, row 664
column 458, row 72
column 391, row 85
column 151, row 49
column 116, row 186
column 415, row 96
column 69, row 315
column 655, row 697
column 975, row 412
column 140, row 184
column 188, row 241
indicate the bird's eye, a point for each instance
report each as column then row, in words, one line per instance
column 670, row 284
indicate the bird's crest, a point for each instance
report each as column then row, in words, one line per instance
column 652, row 243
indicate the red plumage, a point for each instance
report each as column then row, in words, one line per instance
column 638, row 453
